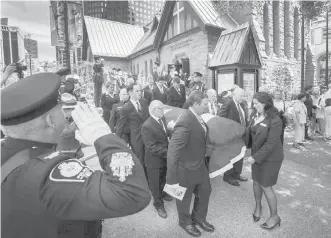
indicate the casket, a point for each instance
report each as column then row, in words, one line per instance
column 225, row 143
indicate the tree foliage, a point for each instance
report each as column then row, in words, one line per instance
column 313, row 9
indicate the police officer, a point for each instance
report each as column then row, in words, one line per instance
column 51, row 195
column 196, row 83
column 98, row 80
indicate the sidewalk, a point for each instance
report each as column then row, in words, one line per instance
column 304, row 200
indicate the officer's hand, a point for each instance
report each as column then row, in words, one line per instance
column 9, row 70
column 90, row 124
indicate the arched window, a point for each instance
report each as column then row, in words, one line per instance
column 275, row 19
column 266, row 28
column 296, row 33
column 287, row 31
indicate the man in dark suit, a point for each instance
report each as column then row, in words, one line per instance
column 176, row 94
column 155, row 136
column 309, row 105
column 134, row 113
column 213, row 107
column 147, row 95
column 115, row 115
column 186, row 165
column 160, row 91
column 234, row 109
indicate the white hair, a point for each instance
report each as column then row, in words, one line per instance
column 153, row 105
column 211, row 91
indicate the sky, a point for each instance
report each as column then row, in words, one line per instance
column 31, row 17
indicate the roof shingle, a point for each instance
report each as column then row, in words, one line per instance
column 112, row 39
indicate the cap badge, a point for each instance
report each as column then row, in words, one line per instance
column 121, row 164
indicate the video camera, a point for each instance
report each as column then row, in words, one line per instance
column 19, row 69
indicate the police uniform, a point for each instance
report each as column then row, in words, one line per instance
column 55, row 195
column 199, row 86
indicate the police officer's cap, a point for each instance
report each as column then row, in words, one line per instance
column 198, row 74
column 29, row 98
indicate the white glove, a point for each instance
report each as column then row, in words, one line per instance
column 90, row 124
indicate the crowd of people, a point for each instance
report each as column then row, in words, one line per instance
column 137, row 148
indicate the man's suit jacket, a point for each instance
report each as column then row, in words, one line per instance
column 130, row 116
column 114, row 120
column 156, row 143
column 147, row 95
column 229, row 110
column 187, row 147
column 175, row 98
column 157, row 95
column 266, row 144
column 217, row 107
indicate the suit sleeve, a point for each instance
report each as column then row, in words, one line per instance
column 122, row 121
column 151, row 145
column 112, row 118
column 103, row 102
column 101, row 194
column 273, row 138
column 223, row 112
column 177, row 143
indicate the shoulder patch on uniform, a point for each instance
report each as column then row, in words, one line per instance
column 53, row 155
column 71, row 170
column 121, row 165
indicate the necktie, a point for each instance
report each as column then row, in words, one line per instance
column 138, row 107
column 161, row 123
column 241, row 115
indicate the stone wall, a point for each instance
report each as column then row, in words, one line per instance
column 193, row 46
column 140, row 60
column 289, row 57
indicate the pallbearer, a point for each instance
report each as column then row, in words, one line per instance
column 52, row 194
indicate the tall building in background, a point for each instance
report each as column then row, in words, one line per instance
column 12, row 44
column 132, row 12
column 142, row 12
column 95, row 9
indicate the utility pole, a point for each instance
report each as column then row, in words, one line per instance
column 302, row 50
column 66, row 34
column 327, row 49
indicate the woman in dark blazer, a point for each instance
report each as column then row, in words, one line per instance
column 263, row 136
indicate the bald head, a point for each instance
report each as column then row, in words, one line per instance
column 238, row 95
column 212, row 95
column 156, row 108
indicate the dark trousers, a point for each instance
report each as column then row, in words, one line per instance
column 156, row 181
column 97, row 93
column 235, row 171
column 197, row 182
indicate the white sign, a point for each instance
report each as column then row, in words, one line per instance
column 225, row 81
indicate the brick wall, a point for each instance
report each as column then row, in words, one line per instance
column 140, row 60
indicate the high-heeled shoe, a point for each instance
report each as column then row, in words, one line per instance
column 255, row 218
column 265, row 225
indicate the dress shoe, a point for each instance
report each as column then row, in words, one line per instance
column 192, row 230
column 309, row 138
column 205, row 226
column 162, row 212
column 241, row 178
column 266, row 227
column 232, row 182
column 167, row 197
column 255, row 218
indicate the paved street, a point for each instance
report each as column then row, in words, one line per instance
column 304, row 196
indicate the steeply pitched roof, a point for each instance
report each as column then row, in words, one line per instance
column 112, row 39
column 230, row 48
column 210, row 16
